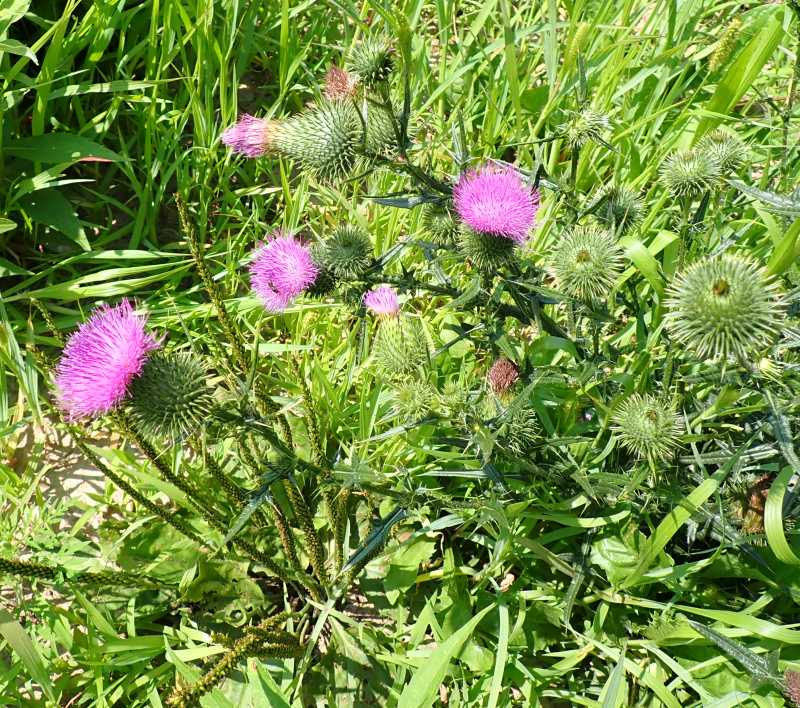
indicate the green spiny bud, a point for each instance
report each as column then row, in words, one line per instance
column 647, row 427
column 584, row 127
column 372, row 60
column 413, row 399
column 725, row 306
column 520, row 432
column 440, row 224
column 171, row 398
column 347, row 254
column 455, row 400
column 325, row 282
column 381, row 135
column 724, row 148
column 324, row 139
column 586, row 263
column 689, row 173
column 400, row 347
column 488, row 253
column 620, row 208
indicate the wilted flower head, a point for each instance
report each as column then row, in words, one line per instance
column 689, row 173
column 101, row 359
column 586, row 263
column 791, row 683
column 249, row 136
column 339, row 84
column 502, row 375
column 725, row 306
column 496, row 201
column 281, row 270
column 647, row 427
column 382, row 301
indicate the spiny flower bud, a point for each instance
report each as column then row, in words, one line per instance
column 324, row 139
column 727, row 150
column 371, row 60
column 620, row 207
column 339, row 85
column 584, row 127
column 400, row 347
column 647, row 426
column 170, row 399
column 440, row 224
column 502, row 376
column 586, row 263
column 381, row 134
column 413, row 399
column 455, row 399
column 519, row 434
column 486, row 252
column 725, row 44
column 347, row 253
column 689, row 173
column 725, row 306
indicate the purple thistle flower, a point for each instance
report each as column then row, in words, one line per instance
column 382, row 302
column 101, row 359
column 250, row 136
column 281, row 270
column 495, row 200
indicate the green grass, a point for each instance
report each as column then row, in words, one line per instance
column 570, row 585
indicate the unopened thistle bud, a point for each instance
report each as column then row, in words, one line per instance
column 586, row 263
column 689, row 173
column 400, row 347
column 440, row 224
column 324, row 140
column 584, row 127
column 371, row 60
column 724, row 148
column 171, row 397
column 620, row 208
column 381, row 133
column 413, row 399
column 519, row 434
column 723, row 307
column 647, row 427
column 502, row 376
column 347, row 254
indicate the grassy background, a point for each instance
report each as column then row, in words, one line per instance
column 155, row 83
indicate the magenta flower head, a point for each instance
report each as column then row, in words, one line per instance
column 382, row 302
column 250, row 136
column 281, row 270
column 495, row 200
column 101, row 359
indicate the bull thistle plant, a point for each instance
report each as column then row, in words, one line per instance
column 545, row 270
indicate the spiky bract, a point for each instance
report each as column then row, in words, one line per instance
column 171, row 398
column 689, row 173
column 347, row 253
column 413, row 399
column 584, row 127
column 486, row 252
column 519, row 432
column 381, row 133
column 440, row 224
column 724, row 148
column 725, row 306
column 400, row 347
column 371, row 60
column 620, row 207
column 324, row 139
column 647, row 427
column 586, row 263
